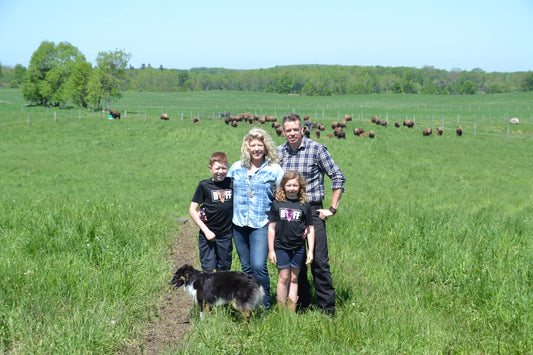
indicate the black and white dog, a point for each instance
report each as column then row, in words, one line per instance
column 207, row 289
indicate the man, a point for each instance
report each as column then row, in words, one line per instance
column 312, row 160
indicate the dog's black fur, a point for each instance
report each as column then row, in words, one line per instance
column 243, row 291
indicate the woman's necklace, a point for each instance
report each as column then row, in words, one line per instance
column 251, row 185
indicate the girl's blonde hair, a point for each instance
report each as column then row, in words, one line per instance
column 290, row 175
column 270, row 151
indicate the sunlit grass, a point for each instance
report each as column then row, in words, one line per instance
column 431, row 250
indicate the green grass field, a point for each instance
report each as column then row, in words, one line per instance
column 431, row 250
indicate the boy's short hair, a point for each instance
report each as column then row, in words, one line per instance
column 218, row 157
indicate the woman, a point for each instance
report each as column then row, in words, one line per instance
column 255, row 179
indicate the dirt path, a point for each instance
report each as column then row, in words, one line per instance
column 173, row 321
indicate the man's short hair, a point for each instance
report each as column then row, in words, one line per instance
column 292, row 117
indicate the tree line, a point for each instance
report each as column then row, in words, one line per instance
column 61, row 75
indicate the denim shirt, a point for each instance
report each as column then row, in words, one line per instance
column 253, row 196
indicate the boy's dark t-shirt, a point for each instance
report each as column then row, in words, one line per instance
column 217, row 199
column 291, row 217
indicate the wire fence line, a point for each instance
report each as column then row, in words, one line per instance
column 489, row 124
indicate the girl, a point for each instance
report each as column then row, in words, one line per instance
column 290, row 221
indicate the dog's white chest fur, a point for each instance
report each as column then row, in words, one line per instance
column 192, row 292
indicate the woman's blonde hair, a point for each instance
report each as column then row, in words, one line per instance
column 270, row 152
column 290, row 175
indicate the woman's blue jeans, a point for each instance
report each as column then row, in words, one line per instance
column 252, row 247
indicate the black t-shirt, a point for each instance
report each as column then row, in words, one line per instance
column 291, row 217
column 217, row 199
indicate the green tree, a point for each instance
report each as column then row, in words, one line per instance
column 77, row 86
column 527, row 82
column 20, row 72
column 95, row 91
column 469, row 88
column 50, row 68
column 110, row 73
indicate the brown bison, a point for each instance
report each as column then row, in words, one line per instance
column 459, row 131
column 115, row 114
column 196, row 120
column 371, row 134
column 165, row 116
column 358, row 131
column 317, row 132
column 397, row 124
column 427, row 131
column 439, row 131
column 409, row 123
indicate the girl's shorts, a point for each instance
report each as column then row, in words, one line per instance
column 290, row 258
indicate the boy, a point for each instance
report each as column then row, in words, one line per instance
column 212, row 210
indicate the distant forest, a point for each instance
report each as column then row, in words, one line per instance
column 327, row 80
column 313, row 80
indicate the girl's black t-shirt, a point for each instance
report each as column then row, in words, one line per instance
column 291, row 217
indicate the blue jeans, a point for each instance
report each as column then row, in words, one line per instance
column 252, row 247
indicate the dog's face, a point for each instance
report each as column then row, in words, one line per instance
column 181, row 276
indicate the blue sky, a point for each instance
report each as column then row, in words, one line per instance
column 493, row 35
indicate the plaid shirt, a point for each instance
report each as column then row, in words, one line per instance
column 253, row 196
column 312, row 160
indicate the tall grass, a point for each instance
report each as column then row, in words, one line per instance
column 431, row 249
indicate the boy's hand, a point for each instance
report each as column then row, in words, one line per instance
column 210, row 236
column 201, row 214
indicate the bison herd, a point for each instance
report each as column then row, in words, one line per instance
column 338, row 128
column 309, row 126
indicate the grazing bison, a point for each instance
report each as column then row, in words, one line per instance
column 409, row 123
column 234, row 123
column 317, row 132
column 339, row 133
column 196, row 120
column 358, row 131
column 115, row 114
column 371, row 134
column 307, row 132
column 427, row 131
column 459, row 131
column 439, row 131
column 397, row 124
column 279, row 131
column 165, row 116
column 347, row 117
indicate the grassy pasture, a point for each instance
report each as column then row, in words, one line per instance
column 431, row 250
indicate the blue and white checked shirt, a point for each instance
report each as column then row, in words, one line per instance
column 253, row 196
column 312, row 160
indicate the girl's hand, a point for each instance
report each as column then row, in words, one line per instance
column 272, row 257
column 309, row 258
